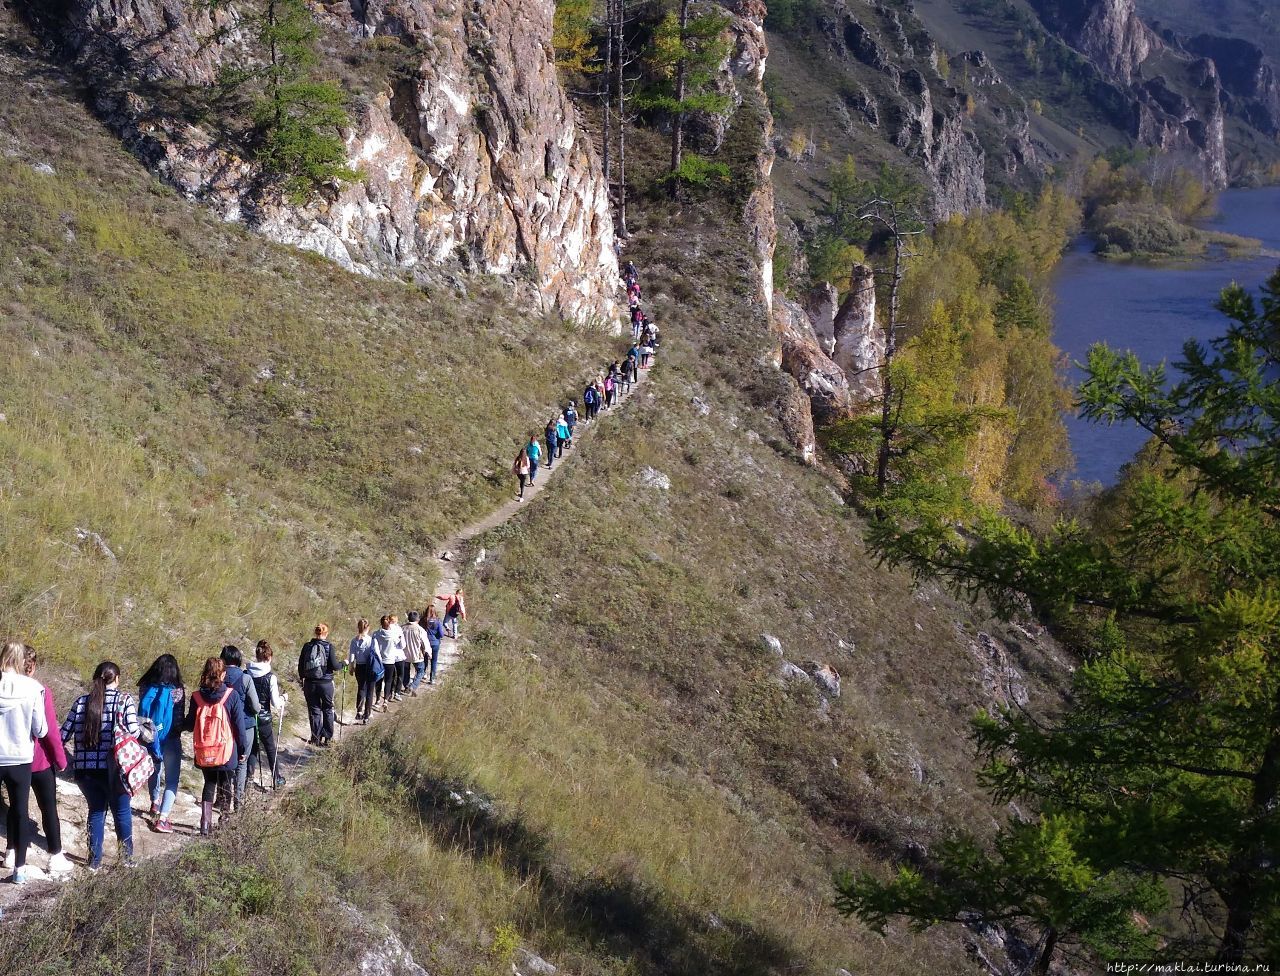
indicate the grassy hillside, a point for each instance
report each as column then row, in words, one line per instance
column 256, row 436
column 652, row 791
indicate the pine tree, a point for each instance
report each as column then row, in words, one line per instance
column 296, row 117
column 1165, row 759
column 686, row 56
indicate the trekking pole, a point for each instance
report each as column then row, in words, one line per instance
column 275, row 763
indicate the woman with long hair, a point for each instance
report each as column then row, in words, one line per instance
column 162, row 699
column 362, row 654
column 22, row 722
column 90, row 727
column 215, row 719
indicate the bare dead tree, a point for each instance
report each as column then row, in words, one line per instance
column 902, row 221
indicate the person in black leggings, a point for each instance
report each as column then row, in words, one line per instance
column 50, row 758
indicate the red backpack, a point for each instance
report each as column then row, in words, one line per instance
column 212, row 737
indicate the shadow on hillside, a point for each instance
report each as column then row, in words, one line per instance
column 617, row 912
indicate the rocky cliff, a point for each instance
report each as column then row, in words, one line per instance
column 1176, row 99
column 472, row 156
column 1248, row 77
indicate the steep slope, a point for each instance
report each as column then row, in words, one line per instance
column 468, row 149
column 659, row 787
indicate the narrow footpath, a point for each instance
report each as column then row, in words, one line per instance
column 294, row 754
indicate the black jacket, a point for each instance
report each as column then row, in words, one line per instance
column 329, row 661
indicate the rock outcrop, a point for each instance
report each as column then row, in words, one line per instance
column 474, row 156
column 1176, row 99
column 859, row 340
column 1248, row 78
column 1108, row 32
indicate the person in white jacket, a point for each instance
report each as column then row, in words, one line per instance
column 22, row 722
column 272, row 702
column 390, row 638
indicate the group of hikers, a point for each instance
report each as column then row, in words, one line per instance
column 602, row 392
column 122, row 743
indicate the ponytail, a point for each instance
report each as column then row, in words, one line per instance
column 103, row 675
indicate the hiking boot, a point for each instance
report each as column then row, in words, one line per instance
column 128, row 861
column 60, row 864
column 19, row 876
column 94, row 865
column 155, row 810
column 162, row 826
column 280, row 781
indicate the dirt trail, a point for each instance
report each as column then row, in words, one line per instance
column 17, row 901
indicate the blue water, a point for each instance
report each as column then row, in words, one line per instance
column 1152, row 310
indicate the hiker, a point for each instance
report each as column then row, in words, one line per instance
column 363, row 656
column 571, row 420
column 316, row 667
column 629, row 272
column 389, row 652
column 454, row 607
column 239, row 679
column 520, row 468
column 215, row 718
column 416, row 651
column 591, row 400
column 609, row 389
column 23, row 720
column 435, row 634
column 91, row 724
column 553, row 441
column 402, row 659
column 534, row 451
column 48, row 759
column 633, row 362
column 562, row 435
column 272, row 702
column 162, row 700
column 646, row 354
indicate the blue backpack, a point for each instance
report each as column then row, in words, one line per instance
column 157, row 706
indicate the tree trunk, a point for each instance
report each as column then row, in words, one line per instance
column 607, row 95
column 887, row 425
column 1046, row 954
column 620, row 6
column 1242, row 894
column 677, row 127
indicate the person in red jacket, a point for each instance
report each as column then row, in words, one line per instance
column 50, row 758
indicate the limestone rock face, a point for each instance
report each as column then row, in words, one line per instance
column 1249, row 79
column 822, row 380
column 859, row 341
column 821, row 305
column 476, row 156
column 1111, row 35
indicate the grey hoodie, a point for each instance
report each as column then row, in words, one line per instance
column 22, row 718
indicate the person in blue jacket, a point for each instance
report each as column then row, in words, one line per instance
column 534, row 450
column 562, row 435
column 162, row 699
column 553, row 441
column 435, row 634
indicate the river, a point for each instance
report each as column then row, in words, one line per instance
column 1151, row 309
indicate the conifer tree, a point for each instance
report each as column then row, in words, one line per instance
column 1165, row 760
column 686, row 55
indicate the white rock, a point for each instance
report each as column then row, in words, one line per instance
column 98, row 543
column 44, row 168
column 772, row 643
column 531, row 963
column 700, row 406
column 653, row 478
column 792, row 672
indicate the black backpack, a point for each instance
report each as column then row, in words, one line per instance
column 263, row 683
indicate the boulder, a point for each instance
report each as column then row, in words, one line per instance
column 859, row 340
